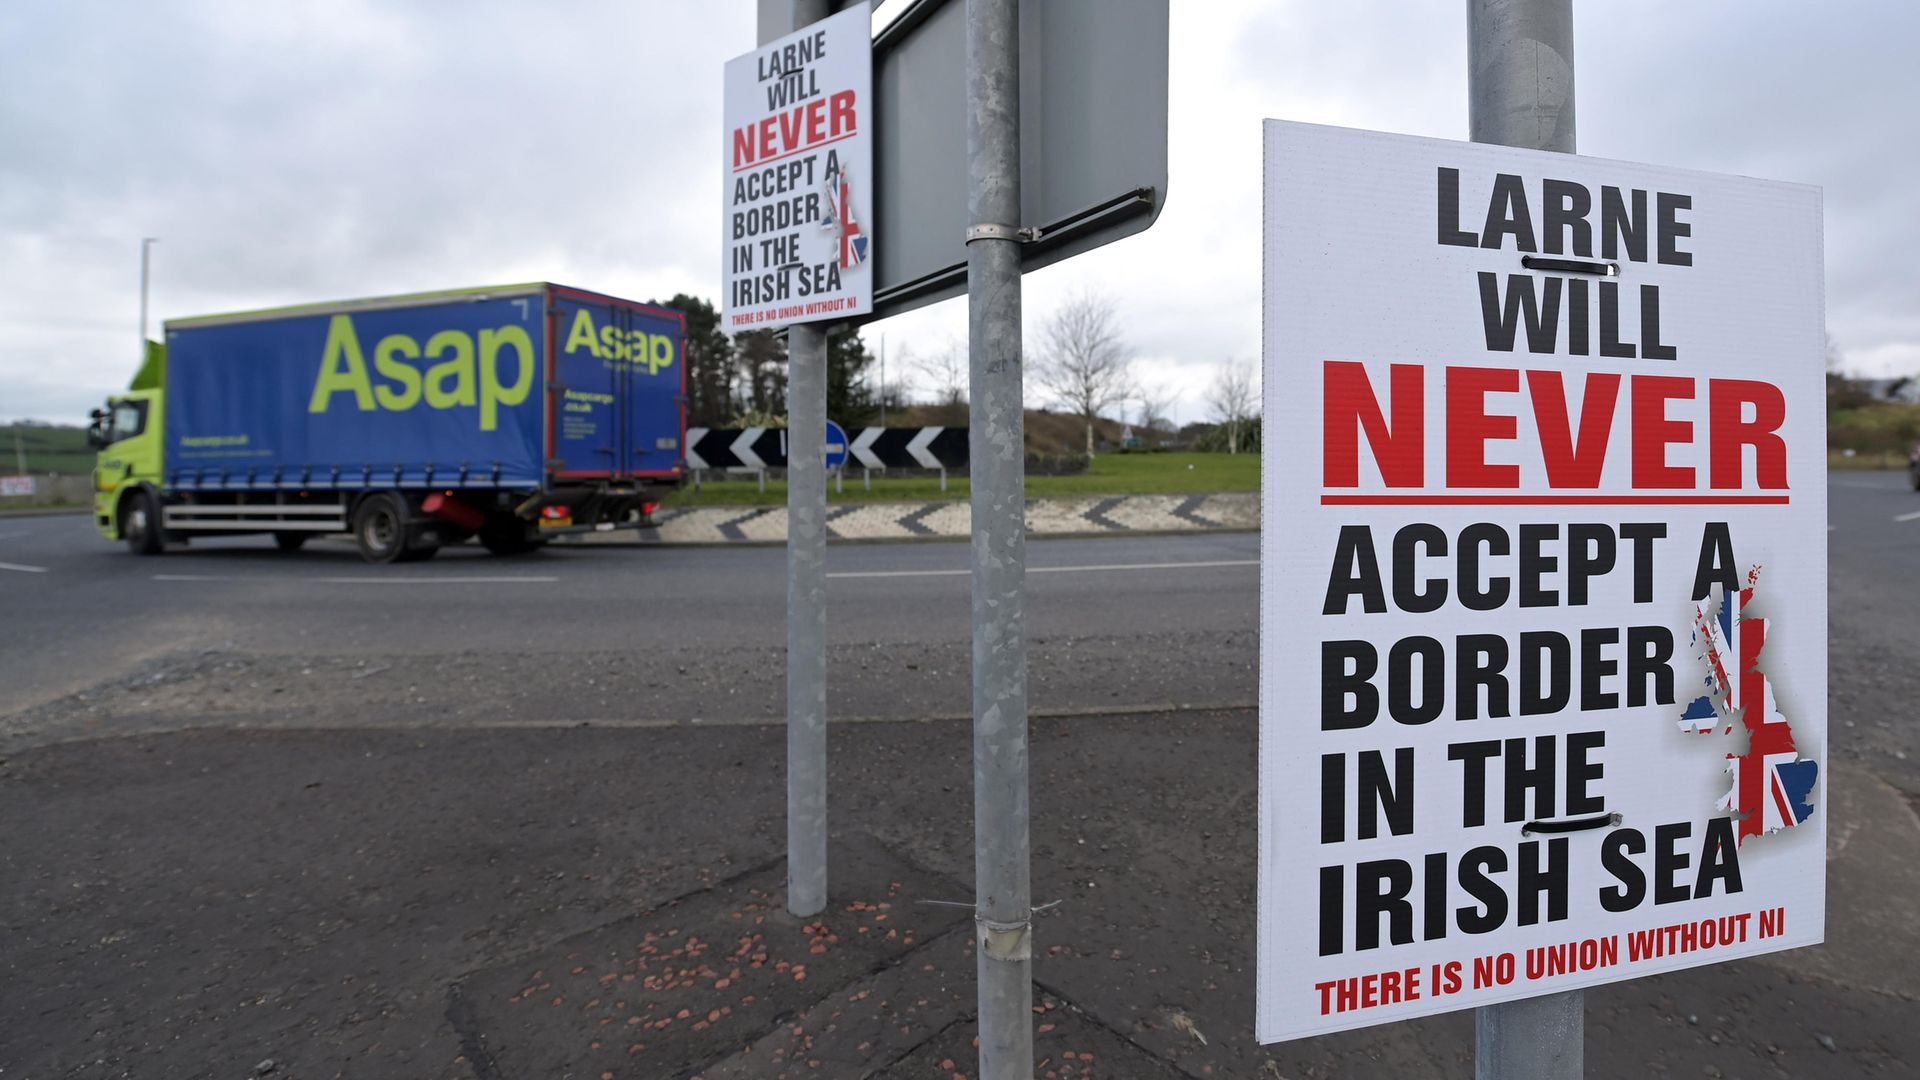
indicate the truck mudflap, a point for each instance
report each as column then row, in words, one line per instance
column 591, row 509
column 602, row 527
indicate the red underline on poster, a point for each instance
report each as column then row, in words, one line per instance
column 1553, row 500
column 807, row 149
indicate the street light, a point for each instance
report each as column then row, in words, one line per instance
column 146, row 245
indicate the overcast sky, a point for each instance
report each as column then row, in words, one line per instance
column 297, row 151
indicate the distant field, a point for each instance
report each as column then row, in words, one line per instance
column 1871, row 459
column 1110, row 474
column 49, row 449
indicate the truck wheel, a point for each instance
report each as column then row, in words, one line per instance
column 140, row 524
column 289, row 541
column 380, row 528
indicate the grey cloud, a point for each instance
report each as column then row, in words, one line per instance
column 297, row 151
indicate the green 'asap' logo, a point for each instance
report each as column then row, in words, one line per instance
column 643, row 350
column 458, row 375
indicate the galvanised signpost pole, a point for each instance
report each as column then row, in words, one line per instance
column 806, row 586
column 1520, row 93
column 1003, row 911
column 806, row 619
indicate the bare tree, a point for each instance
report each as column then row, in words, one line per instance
column 1082, row 362
column 944, row 368
column 1156, row 406
column 1234, row 398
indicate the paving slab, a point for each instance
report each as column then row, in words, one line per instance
column 1067, row 1045
column 664, row 993
column 869, row 1025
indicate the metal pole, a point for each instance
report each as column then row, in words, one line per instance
column 806, row 618
column 806, row 576
column 1520, row 89
column 1520, row 73
column 1003, row 894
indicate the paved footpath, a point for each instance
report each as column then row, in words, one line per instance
column 587, row 902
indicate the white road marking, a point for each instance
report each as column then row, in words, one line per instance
column 380, row 580
column 440, row 581
column 12, row 535
column 1914, row 516
column 19, row 569
column 364, row 580
column 1050, row 569
column 897, row 573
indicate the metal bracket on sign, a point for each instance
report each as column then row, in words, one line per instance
column 1024, row 234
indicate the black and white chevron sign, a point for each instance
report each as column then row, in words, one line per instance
column 910, row 448
column 874, row 447
column 736, row 448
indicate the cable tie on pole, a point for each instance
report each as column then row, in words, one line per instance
column 1571, row 266
column 1008, row 941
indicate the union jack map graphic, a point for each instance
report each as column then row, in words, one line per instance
column 838, row 218
column 1772, row 783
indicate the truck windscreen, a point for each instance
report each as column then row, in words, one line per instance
column 129, row 419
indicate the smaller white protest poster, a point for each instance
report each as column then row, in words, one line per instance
column 1543, row 673
column 798, row 245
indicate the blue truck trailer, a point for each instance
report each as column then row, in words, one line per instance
column 507, row 415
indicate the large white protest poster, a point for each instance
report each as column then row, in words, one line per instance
column 798, row 176
column 1543, row 625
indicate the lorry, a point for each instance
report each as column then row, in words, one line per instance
column 509, row 414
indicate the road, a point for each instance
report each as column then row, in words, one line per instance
column 603, row 633
column 361, row 821
column 719, row 596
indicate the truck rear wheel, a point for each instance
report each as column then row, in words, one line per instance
column 380, row 528
column 140, row 523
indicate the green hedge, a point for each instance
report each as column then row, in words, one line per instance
column 1874, row 428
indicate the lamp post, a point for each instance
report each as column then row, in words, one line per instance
column 146, row 246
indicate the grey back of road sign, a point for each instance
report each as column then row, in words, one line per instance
column 1093, row 137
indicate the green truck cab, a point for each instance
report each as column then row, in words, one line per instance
column 127, row 468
